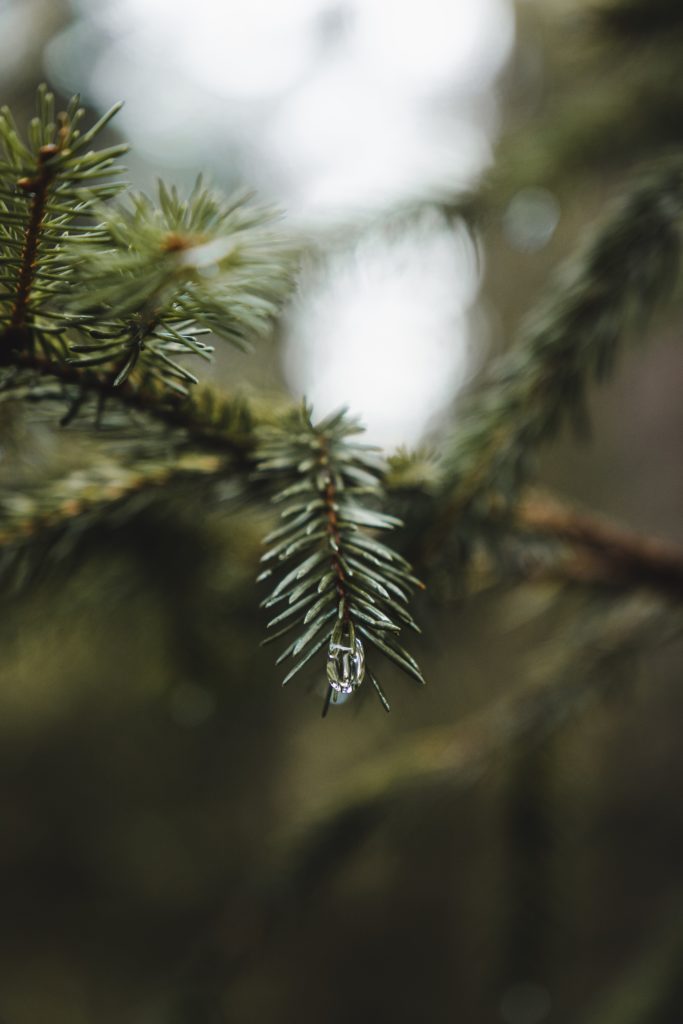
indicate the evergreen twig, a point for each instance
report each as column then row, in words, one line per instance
column 48, row 186
column 135, row 290
column 168, row 274
column 46, row 522
column 96, row 314
column 345, row 584
column 602, row 551
column 573, row 337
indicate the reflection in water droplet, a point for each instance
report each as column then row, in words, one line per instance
column 345, row 665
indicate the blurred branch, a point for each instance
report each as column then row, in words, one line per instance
column 578, row 668
column 611, row 98
column 601, row 550
column 570, row 675
column 572, row 338
column 26, row 513
column 218, row 422
column 48, row 523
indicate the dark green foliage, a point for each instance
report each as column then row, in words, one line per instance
column 572, row 339
column 169, row 273
column 48, row 186
column 101, row 302
column 336, row 582
column 123, row 288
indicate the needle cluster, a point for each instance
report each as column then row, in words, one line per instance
column 126, row 290
column 49, row 185
column 175, row 270
column 337, row 586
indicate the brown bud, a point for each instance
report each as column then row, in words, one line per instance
column 174, row 242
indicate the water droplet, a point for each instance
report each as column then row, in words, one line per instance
column 345, row 664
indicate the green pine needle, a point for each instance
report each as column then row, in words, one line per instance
column 171, row 272
column 611, row 288
column 124, row 291
column 50, row 181
column 342, row 586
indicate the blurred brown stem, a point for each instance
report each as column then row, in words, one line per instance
column 600, row 551
column 200, row 414
column 603, row 551
column 37, row 188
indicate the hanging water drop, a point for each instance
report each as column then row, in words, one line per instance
column 345, row 664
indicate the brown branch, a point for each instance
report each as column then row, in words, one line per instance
column 332, row 527
column 600, row 551
column 38, row 188
column 334, row 543
column 204, row 415
column 603, row 551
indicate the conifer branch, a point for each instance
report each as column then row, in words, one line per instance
column 51, row 516
column 99, row 305
column 598, row 550
column 603, row 551
column 133, row 292
column 48, row 186
column 345, row 584
column 219, row 422
column 170, row 273
column 573, row 337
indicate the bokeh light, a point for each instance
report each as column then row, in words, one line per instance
column 341, row 112
column 383, row 325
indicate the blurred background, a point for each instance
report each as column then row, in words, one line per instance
column 183, row 842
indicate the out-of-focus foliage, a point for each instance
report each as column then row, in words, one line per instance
column 160, row 276
column 183, row 843
column 135, row 289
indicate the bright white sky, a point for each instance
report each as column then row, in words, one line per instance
column 336, row 109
